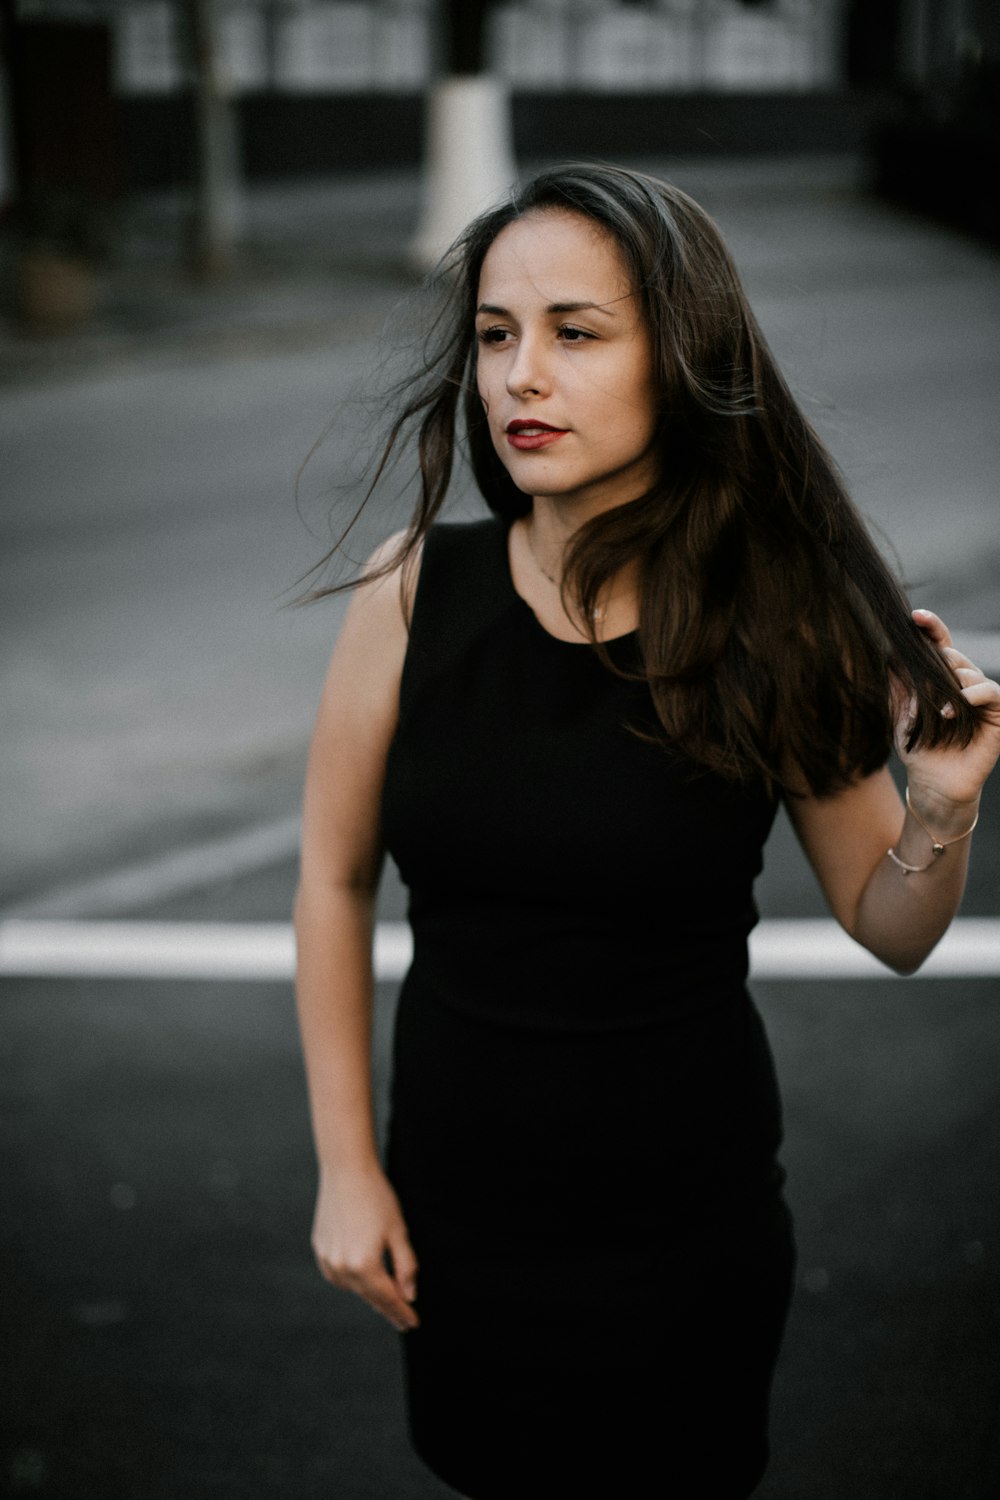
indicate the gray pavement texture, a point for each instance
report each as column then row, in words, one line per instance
column 168, row 1336
column 163, row 1329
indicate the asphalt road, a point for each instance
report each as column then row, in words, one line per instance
column 167, row 1334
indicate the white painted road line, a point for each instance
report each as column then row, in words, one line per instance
column 147, row 950
column 264, row 951
column 816, row 948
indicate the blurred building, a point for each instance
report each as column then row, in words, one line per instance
column 320, row 85
column 307, row 46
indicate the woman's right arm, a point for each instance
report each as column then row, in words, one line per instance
column 359, row 1236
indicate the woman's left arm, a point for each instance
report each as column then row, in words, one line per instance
column 898, row 913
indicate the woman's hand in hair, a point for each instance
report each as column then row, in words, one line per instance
column 361, row 1244
column 847, row 836
column 946, row 780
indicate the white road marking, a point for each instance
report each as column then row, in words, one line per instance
column 147, row 950
column 816, row 948
column 265, row 951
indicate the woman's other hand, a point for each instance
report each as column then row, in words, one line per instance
column 945, row 782
column 847, row 837
column 361, row 1243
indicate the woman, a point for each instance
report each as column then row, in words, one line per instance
column 570, row 724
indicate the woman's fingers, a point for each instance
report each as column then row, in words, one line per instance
column 361, row 1244
column 933, row 626
column 976, row 688
column 403, row 1264
column 371, row 1281
column 380, row 1291
column 966, row 675
column 959, row 662
column 983, row 693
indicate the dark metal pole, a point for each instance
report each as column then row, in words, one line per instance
column 464, row 23
column 217, row 187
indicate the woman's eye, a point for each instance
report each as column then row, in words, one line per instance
column 574, row 335
column 492, row 335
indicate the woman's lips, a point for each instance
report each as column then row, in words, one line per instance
column 528, row 435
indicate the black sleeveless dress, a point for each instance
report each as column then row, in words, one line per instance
column 584, row 1115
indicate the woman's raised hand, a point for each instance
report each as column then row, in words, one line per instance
column 948, row 779
column 361, row 1244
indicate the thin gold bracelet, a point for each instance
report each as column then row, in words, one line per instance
column 937, row 847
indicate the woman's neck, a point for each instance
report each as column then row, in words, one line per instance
column 548, row 531
column 548, row 535
column 550, row 528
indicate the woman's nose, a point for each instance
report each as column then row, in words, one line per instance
column 527, row 374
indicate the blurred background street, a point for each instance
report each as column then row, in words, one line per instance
column 165, row 1330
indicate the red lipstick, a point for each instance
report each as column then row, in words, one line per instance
column 526, row 434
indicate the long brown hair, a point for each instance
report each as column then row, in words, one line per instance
column 772, row 633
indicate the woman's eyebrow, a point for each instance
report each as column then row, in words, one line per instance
column 553, row 307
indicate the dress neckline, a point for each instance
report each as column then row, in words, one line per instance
column 503, row 528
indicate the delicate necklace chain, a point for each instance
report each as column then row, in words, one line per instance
column 597, row 614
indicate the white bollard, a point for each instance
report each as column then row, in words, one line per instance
column 468, row 162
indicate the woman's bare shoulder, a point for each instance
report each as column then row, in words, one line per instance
column 390, row 581
column 362, row 681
